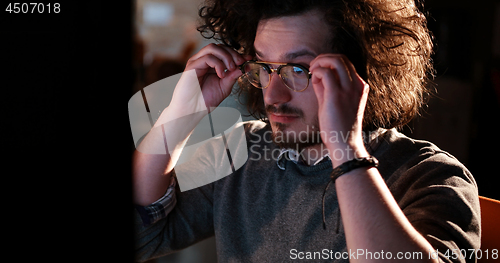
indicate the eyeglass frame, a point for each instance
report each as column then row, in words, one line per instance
column 270, row 71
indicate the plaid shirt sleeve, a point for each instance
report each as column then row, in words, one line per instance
column 159, row 209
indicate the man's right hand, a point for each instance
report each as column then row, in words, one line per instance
column 210, row 64
column 151, row 170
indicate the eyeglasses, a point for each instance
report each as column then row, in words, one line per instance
column 294, row 76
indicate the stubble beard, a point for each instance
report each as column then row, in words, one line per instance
column 297, row 140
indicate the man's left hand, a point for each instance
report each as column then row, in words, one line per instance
column 342, row 95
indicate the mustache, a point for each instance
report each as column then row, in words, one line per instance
column 284, row 109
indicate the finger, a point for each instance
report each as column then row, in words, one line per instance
column 220, row 52
column 237, row 57
column 230, row 78
column 211, row 65
column 354, row 76
column 247, row 58
column 206, row 63
column 318, row 89
column 325, row 76
column 322, row 79
column 337, row 64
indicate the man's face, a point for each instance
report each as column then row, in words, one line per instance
column 294, row 39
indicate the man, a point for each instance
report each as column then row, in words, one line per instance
column 331, row 80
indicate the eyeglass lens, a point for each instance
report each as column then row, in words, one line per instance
column 293, row 77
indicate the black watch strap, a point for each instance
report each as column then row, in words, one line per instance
column 353, row 164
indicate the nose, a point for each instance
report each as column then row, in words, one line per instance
column 276, row 92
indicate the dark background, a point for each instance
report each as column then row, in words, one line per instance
column 66, row 81
column 463, row 117
column 66, row 141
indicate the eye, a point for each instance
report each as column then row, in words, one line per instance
column 298, row 71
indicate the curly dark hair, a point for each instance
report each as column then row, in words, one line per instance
column 386, row 40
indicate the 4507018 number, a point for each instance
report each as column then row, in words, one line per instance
column 471, row 253
column 39, row 8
